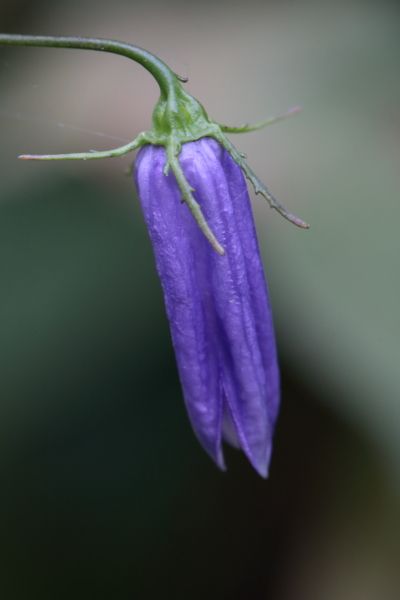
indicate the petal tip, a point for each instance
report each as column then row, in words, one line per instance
column 260, row 463
column 262, row 470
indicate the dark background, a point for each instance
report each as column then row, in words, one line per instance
column 105, row 492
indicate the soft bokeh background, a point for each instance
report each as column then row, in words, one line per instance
column 105, row 492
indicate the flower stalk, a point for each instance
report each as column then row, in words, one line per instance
column 178, row 118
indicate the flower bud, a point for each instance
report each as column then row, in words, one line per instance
column 218, row 306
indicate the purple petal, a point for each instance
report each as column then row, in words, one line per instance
column 218, row 307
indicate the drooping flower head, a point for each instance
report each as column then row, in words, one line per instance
column 218, row 306
column 196, row 205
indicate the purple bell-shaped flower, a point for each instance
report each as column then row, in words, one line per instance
column 191, row 185
column 218, row 306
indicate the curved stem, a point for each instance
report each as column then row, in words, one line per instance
column 166, row 79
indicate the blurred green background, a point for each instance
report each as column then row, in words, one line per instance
column 105, row 492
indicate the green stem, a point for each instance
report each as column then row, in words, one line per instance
column 177, row 118
column 165, row 77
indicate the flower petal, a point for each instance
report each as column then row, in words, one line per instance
column 218, row 307
column 188, row 298
column 245, row 336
